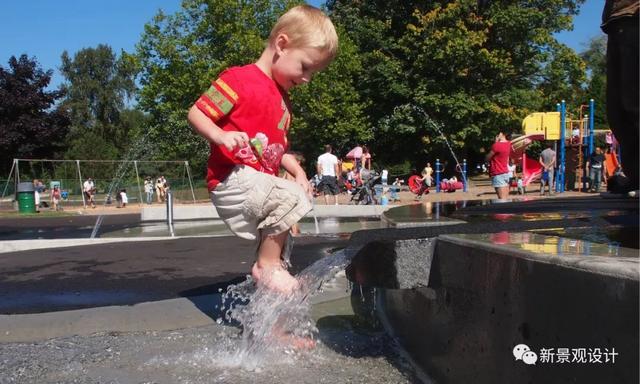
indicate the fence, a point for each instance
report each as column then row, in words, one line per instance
column 109, row 176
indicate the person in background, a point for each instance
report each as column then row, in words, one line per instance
column 124, row 200
column 427, row 175
column 327, row 168
column 160, row 189
column 548, row 162
column 148, row 189
column 55, row 198
column 498, row 159
column 595, row 164
column 89, row 190
column 384, row 176
column 357, row 157
column 366, row 158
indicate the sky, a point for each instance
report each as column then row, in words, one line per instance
column 45, row 28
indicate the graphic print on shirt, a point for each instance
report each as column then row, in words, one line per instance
column 260, row 151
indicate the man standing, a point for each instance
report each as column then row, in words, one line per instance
column 498, row 168
column 148, row 189
column 328, row 170
column 89, row 190
column 548, row 161
column 594, row 164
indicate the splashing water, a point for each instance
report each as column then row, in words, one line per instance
column 276, row 328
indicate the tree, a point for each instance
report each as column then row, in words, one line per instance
column 595, row 57
column 31, row 125
column 180, row 54
column 98, row 87
column 444, row 64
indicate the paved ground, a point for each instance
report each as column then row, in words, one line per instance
column 132, row 272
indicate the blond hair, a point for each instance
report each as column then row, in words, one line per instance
column 308, row 27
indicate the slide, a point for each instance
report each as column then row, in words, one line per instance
column 611, row 163
column 531, row 169
column 520, row 143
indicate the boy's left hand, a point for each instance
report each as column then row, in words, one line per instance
column 301, row 179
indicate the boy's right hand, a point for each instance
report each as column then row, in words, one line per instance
column 233, row 139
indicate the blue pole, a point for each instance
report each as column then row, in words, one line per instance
column 563, row 119
column 591, row 128
column 437, row 175
column 464, row 175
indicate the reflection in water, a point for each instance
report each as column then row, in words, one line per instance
column 554, row 245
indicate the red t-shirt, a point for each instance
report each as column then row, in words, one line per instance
column 246, row 99
column 500, row 160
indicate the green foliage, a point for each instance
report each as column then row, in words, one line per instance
column 329, row 110
column 473, row 73
column 180, row 54
column 31, row 126
column 595, row 57
column 98, row 87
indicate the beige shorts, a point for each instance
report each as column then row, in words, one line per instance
column 252, row 202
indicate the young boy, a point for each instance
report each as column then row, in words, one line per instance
column 245, row 115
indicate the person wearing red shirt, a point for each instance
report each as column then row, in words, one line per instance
column 245, row 116
column 498, row 159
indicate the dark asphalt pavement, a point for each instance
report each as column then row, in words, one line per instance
column 132, row 272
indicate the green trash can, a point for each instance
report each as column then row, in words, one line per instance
column 26, row 198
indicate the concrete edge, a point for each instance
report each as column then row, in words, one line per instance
column 619, row 267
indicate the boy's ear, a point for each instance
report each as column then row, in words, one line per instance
column 281, row 42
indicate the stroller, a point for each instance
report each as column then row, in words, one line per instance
column 364, row 194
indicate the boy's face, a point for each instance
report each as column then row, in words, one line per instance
column 296, row 66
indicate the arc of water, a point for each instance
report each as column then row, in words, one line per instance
column 436, row 126
column 137, row 148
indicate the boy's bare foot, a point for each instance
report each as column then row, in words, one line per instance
column 275, row 278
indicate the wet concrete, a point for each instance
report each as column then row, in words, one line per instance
column 132, row 272
column 65, row 227
column 349, row 351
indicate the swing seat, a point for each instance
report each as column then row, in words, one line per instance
column 446, row 186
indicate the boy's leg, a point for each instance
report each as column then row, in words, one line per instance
column 262, row 207
column 268, row 268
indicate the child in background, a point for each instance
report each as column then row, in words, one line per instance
column 245, row 115
column 55, row 198
column 123, row 198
